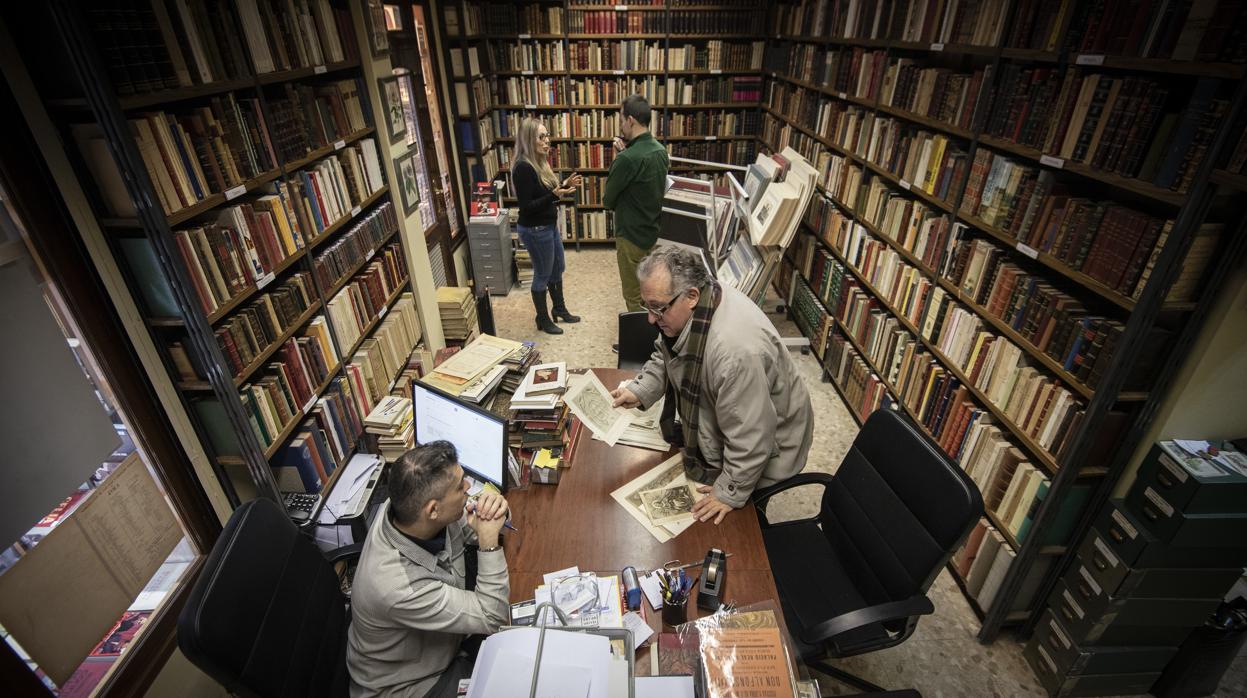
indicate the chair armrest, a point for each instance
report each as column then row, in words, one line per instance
column 760, row 496
column 880, row 613
column 346, row 552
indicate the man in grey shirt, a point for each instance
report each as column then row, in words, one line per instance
column 409, row 608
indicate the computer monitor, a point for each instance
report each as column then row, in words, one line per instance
column 479, row 435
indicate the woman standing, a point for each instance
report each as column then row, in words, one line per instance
column 538, row 191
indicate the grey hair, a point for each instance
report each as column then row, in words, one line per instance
column 686, row 267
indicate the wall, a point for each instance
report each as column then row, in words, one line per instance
column 1206, row 400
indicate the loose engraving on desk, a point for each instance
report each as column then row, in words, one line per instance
column 665, row 474
column 669, row 504
column 591, row 402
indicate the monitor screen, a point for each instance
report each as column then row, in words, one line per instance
column 478, row 435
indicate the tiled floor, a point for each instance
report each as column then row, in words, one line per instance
column 944, row 657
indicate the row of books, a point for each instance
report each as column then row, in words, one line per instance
column 593, row 156
column 709, row 123
column 930, row 161
column 363, row 300
column 611, row 22
column 806, row 62
column 322, row 442
column 983, row 562
column 306, row 117
column 1213, row 30
column 741, row 88
column 717, row 55
column 528, row 19
column 628, row 54
column 527, row 55
column 911, row 224
column 354, row 245
column 530, row 90
column 285, row 36
column 941, row 94
column 595, row 225
column 590, row 193
column 596, row 123
column 830, row 119
column 739, row 153
column 1128, row 125
column 193, row 155
column 252, row 330
column 328, row 191
column 863, row 390
column 287, row 388
column 378, row 360
column 465, row 62
column 241, row 249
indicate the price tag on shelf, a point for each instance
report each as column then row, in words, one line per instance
column 265, row 280
column 711, row 138
column 1090, row 59
column 716, row 71
column 530, row 106
column 526, row 36
column 842, row 95
column 235, row 192
column 392, row 384
column 1028, row 251
column 384, row 309
column 370, row 254
column 1051, row 161
column 339, row 145
column 618, row 72
column 937, row 47
column 320, row 69
column 621, row 8
column 905, row 185
column 355, row 211
column 526, row 72
column 310, row 404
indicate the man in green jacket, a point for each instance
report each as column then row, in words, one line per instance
column 634, row 191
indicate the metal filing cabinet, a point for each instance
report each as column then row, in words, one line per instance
column 490, row 242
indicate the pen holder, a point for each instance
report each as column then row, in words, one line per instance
column 674, row 612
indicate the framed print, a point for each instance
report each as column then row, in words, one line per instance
column 392, row 100
column 378, row 40
column 405, row 166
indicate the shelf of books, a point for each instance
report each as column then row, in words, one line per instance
column 572, row 64
column 996, row 197
column 240, row 182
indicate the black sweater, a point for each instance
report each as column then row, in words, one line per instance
column 538, row 203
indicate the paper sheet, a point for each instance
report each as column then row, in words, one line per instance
column 629, row 497
column 476, row 358
column 568, row 649
column 652, row 590
column 590, row 401
column 640, row 629
column 664, row 687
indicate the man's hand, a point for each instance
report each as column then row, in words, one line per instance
column 487, row 518
column 624, row 398
column 709, row 507
column 620, row 144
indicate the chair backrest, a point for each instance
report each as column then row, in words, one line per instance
column 636, row 339
column 267, row 616
column 897, row 508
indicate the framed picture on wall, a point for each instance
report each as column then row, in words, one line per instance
column 374, row 15
column 395, row 120
column 405, row 166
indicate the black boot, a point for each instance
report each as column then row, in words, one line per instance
column 560, row 310
column 544, row 323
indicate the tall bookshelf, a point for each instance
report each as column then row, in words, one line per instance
column 258, row 215
column 894, row 229
column 571, row 63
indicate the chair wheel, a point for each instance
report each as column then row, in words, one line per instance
column 805, row 351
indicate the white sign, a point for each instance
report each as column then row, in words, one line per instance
column 235, row 192
column 937, row 47
column 1051, row 161
column 320, row 69
column 265, row 280
column 339, row 145
column 905, row 185
column 1028, row 251
column 355, row 211
column 1090, row 59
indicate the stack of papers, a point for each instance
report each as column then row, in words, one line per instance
column 610, row 597
column 481, row 388
column 457, row 373
column 572, row 664
column 458, row 311
column 391, row 421
column 518, row 364
column 644, row 431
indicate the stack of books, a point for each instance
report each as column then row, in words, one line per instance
column 474, row 372
column 391, row 422
column 518, row 364
column 458, row 311
column 524, row 268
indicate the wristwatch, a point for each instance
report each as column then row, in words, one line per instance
column 489, row 549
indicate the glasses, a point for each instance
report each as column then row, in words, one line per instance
column 662, row 309
column 543, row 136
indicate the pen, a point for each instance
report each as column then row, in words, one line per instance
column 505, row 524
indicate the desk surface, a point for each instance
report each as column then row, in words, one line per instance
column 577, row 523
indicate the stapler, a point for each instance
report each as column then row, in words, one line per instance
column 713, row 579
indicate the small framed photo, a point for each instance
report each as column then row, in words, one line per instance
column 405, row 167
column 378, row 40
column 392, row 100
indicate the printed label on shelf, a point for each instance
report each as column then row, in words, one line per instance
column 526, row 36
column 1051, row 161
column 235, row 192
column 716, row 71
column 842, row 95
column 618, row 72
column 1109, row 556
column 310, row 404
column 530, row 106
column 1028, row 251
column 905, row 185
column 1165, row 507
column 526, row 72
column 339, row 145
column 370, row 254
column 1086, row 577
column 384, row 309
column 1073, row 605
column 1126, row 527
column 711, row 138
column 392, row 384
column 621, row 8
column 265, row 280
column 320, row 69
column 1090, row 59
column 937, row 47
column 355, row 211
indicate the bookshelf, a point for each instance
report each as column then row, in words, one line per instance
column 572, row 63
column 244, row 188
column 907, row 123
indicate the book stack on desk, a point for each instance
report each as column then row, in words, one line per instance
column 518, row 365
column 458, row 311
column 391, row 422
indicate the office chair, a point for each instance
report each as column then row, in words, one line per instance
column 267, row 616
column 853, row 579
column 636, row 340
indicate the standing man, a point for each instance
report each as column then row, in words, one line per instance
column 634, row 191
column 746, row 415
column 410, row 609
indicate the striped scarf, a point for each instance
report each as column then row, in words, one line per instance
column 689, row 392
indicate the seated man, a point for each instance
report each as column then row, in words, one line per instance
column 409, row 607
column 747, row 418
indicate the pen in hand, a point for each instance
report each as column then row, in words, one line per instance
column 505, row 524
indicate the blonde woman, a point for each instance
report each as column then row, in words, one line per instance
column 538, row 192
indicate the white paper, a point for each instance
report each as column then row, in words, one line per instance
column 562, row 648
column 640, row 629
column 159, row 586
column 590, row 401
column 512, row 676
column 358, row 471
column 664, row 687
column 553, row 577
column 652, row 590
column 629, row 499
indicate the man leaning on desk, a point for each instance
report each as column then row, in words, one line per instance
column 747, row 418
column 410, row 610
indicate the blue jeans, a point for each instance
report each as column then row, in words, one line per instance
column 546, row 249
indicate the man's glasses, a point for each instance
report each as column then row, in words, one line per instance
column 662, row 309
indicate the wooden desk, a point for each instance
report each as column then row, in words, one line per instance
column 578, row 523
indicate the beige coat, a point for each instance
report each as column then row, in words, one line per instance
column 756, row 420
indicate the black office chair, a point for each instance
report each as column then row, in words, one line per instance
column 267, row 616
column 854, row 578
column 636, row 340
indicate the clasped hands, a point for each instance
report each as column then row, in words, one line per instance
column 569, row 185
